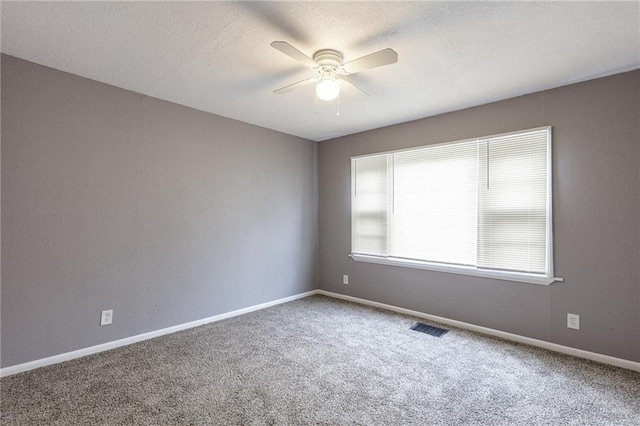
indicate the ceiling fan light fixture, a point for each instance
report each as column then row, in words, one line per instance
column 328, row 89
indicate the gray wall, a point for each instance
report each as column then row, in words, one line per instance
column 596, row 198
column 114, row 200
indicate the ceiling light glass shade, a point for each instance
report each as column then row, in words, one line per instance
column 328, row 89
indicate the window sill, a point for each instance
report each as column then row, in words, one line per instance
column 462, row 270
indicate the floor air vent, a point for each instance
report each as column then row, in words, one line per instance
column 424, row 328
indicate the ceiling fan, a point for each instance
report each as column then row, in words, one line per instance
column 330, row 69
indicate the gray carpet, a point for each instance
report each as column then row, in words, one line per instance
column 322, row 361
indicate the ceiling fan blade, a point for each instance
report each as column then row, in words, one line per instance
column 351, row 89
column 377, row 59
column 293, row 53
column 290, row 87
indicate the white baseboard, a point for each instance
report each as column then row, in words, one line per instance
column 15, row 369
column 579, row 353
column 605, row 359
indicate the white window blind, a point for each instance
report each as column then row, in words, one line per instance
column 512, row 214
column 435, row 204
column 478, row 205
column 369, row 204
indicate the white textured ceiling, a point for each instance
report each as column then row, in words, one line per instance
column 216, row 56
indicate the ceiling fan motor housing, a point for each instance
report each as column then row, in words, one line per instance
column 328, row 58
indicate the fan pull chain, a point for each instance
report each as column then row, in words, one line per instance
column 338, row 105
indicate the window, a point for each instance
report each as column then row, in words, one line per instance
column 476, row 207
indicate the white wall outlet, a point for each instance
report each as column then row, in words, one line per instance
column 345, row 279
column 106, row 317
column 573, row 321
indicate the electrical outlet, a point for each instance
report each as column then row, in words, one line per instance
column 573, row 321
column 345, row 279
column 106, row 317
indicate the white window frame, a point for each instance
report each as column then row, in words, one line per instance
column 523, row 277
